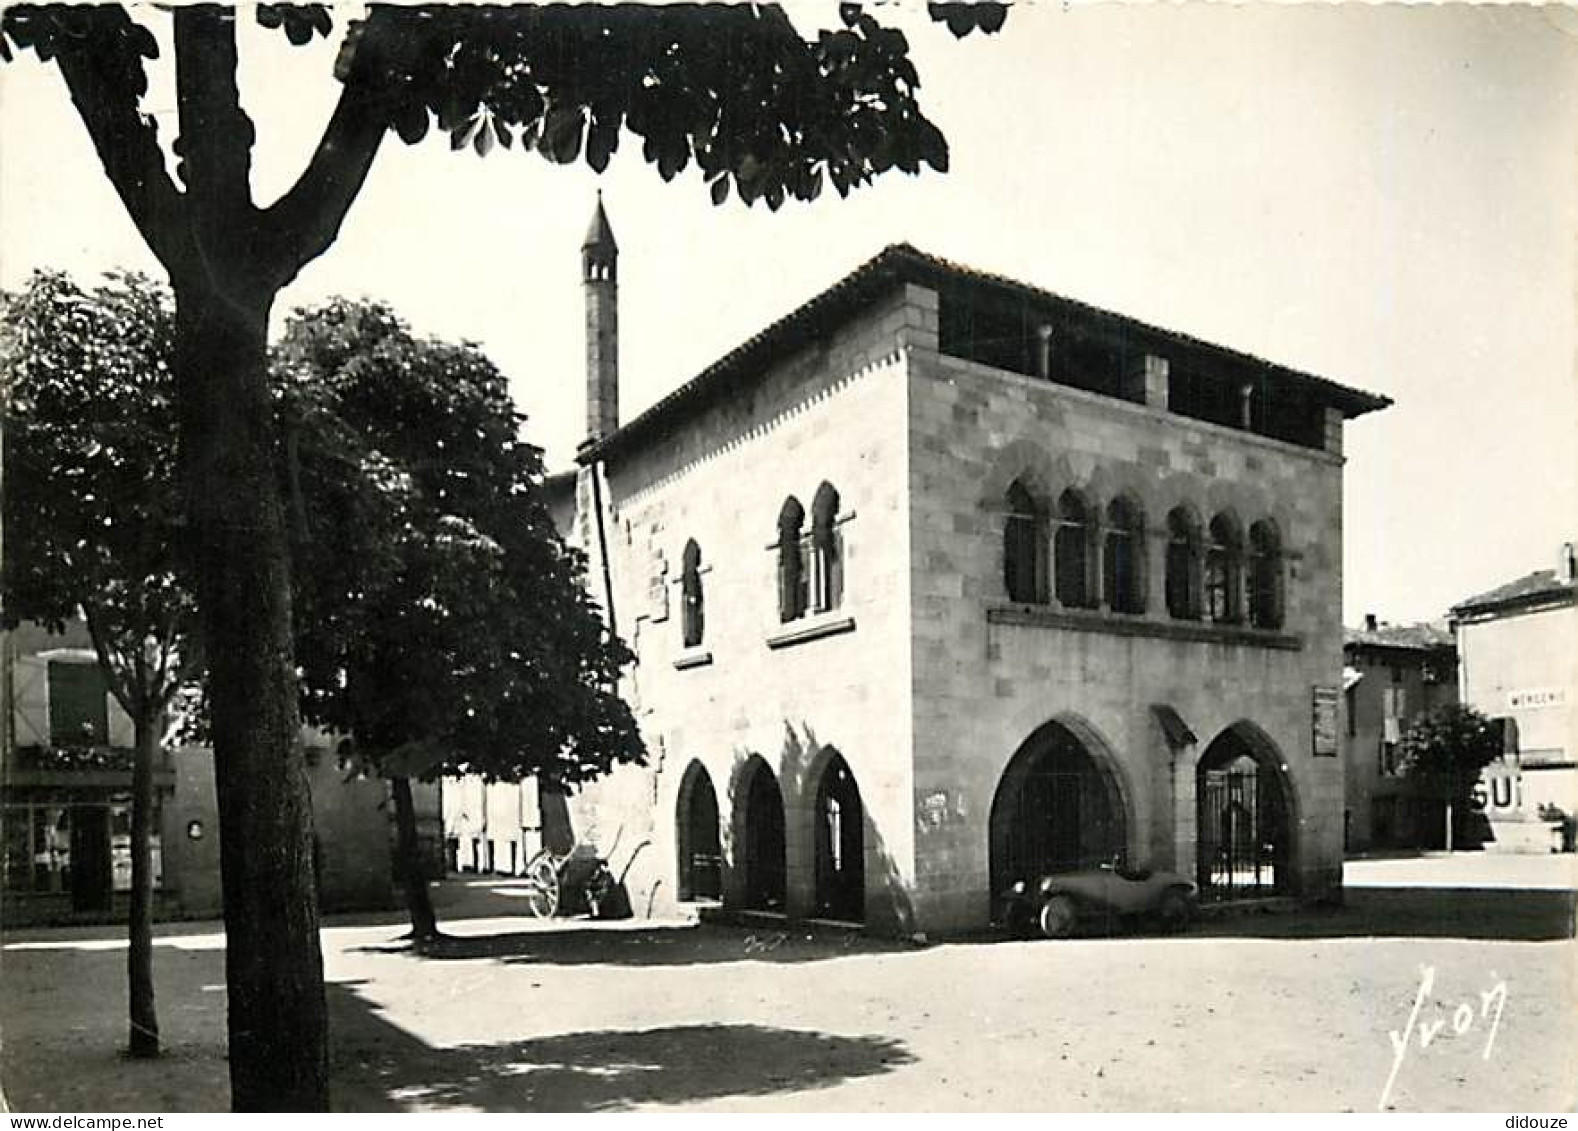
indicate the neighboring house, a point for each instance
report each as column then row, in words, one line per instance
column 1518, row 661
column 942, row 581
column 65, row 803
column 1394, row 673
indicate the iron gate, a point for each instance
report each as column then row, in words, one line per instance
column 1242, row 833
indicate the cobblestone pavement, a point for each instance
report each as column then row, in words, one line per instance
column 1262, row 1013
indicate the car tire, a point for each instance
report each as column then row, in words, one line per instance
column 1057, row 917
column 1174, row 910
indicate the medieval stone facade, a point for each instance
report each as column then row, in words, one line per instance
column 943, row 581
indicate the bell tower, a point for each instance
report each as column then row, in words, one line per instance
column 600, row 279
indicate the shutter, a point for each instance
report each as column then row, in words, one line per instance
column 78, row 705
column 30, row 711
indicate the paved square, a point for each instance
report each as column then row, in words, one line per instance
column 1262, row 1013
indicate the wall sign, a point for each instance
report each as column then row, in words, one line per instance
column 1324, row 721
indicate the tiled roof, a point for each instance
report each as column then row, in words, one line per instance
column 902, row 263
column 1422, row 637
column 1533, row 587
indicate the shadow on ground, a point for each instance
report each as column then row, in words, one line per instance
column 1518, row 915
column 647, row 946
column 380, row 1067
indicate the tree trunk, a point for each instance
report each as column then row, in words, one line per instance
column 278, row 1023
column 413, row 877
column 143, row 1040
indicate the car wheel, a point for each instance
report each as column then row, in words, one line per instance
column 1174, row 911
column 1057, row 917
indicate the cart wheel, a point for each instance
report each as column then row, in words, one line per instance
column 542, row 900
column 1057, row 918
column 1174, row 911
column 543, row 869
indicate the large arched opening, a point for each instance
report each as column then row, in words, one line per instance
column 1058, row 807
column 1244, row 818
column 840, row 844
column 759, row 835
column 696, row 825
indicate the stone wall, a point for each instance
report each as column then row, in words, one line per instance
column 987, row 674
column 833, row 412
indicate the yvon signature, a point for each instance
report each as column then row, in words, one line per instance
column 1462, row 1020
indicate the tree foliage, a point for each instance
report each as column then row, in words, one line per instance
column 94, row 517
column 441, row 619
column 1450, row 747
column 91, row 505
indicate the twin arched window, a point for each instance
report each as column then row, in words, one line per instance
column 1183, row 565
column 810, row 565
column 1071, row 551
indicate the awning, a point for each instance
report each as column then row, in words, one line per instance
column 1174, row 729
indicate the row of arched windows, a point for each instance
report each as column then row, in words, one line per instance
column 1084, row 557
column 810, row 566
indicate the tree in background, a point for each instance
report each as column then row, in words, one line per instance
column 442, row 622
column 1447, row 749
column 92, row 510
column 735, row 91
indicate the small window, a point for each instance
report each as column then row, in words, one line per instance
column 1183, row 566
column 78, row 709
column 1071, row 551
column 1025, row 546
column 827, row 551
column 1224, row 570
column 692, row 613
column 791, row 562
column 1123, row 556
column 1265, row 576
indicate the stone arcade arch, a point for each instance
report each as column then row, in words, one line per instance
column 759, row 837
column 839, row 840
column 1245, row 817
column 696, row 826
column 1059, row 806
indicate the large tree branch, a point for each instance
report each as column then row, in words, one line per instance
column 129, row 153
column 305, row 222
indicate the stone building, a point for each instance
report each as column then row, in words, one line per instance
column 1518, row 650
column 1393, row 674
column 65, row 802
column 942, row 580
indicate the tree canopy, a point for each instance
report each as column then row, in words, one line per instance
column 1450, row 746
column 91, row 504
column 441, row 618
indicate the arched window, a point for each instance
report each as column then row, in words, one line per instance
column 1071, row 551
column 1025, row 546
column 827, row 551
column 1183, row 565
column 1265, row 575
column 692, row 612
column 1123, row 558
column 791, row 561
column 1224, row 572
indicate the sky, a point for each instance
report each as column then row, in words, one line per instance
column 1385, row 196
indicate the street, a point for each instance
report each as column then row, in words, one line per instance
column 1250, row 1013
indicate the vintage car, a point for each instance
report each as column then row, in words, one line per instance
column 1107, row 895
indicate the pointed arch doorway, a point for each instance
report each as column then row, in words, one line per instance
column 840, row 844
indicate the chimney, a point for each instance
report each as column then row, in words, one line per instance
column 1370, row 623
column 600, row 281
column 1044, row 351
column 1567, row 567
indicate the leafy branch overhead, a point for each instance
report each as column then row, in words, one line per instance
column 734, row 90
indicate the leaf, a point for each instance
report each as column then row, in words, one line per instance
column 720, row 189
column 482, row 140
